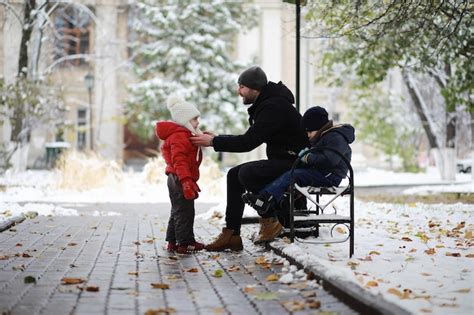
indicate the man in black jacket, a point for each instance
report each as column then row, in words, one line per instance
column 274, row 121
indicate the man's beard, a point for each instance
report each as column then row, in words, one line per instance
column 247, row 101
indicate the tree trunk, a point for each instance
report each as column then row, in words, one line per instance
column 25, row 37
column 18, row 112
column 472, row 145
column 450, row 150
column 439, row 153
column 420, row 111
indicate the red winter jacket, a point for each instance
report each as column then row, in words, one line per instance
column 181, row 156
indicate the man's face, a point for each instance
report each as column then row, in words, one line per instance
column 248, row 95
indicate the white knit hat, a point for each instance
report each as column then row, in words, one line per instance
column 182, row 112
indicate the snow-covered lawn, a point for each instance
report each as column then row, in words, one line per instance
column 416, row 255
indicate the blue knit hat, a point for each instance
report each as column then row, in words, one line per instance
column 314, row 118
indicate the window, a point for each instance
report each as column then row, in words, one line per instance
column 81, row 129
column 72, row 35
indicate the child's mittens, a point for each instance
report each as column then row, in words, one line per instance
column 303, row 152
column 190, row 189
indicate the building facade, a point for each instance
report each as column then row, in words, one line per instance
column 88, row 55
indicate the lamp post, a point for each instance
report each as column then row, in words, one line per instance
column 89, row 81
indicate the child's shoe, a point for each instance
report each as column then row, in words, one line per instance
column 171, row 247
column 189, row 248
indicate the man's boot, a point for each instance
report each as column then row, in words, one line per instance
column 226, row 240
column 269, row 229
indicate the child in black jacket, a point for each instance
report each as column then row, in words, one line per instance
column 321, row 169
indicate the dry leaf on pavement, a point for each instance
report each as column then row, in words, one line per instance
column 192, row 270
column 272, row 277
column 158, row 311
column 453, row 254
column 71, row 280
column 162, row 286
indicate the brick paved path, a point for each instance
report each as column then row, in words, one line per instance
column 123, row 255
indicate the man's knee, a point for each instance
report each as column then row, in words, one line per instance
column 247, row 175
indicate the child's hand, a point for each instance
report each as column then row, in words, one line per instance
column 190, row 189
column 303, row 152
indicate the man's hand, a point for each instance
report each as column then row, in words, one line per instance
column 204, row 140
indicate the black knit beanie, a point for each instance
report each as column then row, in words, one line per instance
column 314, row 118
column 253, row 78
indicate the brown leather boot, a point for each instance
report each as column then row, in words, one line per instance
column 269, row 229
column 226, row 240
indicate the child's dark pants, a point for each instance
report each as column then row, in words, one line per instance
column 181, row 222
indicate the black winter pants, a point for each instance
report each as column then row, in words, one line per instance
column 181, row 222
column 250, row 176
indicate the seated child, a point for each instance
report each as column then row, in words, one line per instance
column 320, row 169
column 182, row 167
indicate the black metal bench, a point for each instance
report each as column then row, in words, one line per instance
column 304, row 222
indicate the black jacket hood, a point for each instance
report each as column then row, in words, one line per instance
column 346, row 130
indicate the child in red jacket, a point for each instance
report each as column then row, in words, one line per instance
column 182, row 167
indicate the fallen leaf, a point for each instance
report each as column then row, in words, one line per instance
column 71, row 280
column 19, row 267
column 352, row 263
column 218, row 310
column 449, row 305
column 425, row 310
column 294, row 306
column 133, row 273
column 215, row 256
column 440, row 246
column 218, row 273
column 430, row 251
column 29, row 279
column 367, row 258
column 249, row 289
column 468, row 234
column 72, row 244
column 92, row 289
column 158, row 311
column 233, row 268
column 423, row 237
column 453, row 254
column 4, row 257
column 372, row 284
column 137, row 243
column 26, row 255
column 413, row 250
column 341, row 230
column 406, row 239
column 162, row 286
column 265, row 296
column 313, row 304
column 261, row 260
column 192, row 270
column 18, row 244
column 466, row 290
column 272, row 277
column 374, row 252
column 470, row 255
column 395, row 292
column 425, row 274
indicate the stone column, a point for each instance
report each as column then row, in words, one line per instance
column 106, row 109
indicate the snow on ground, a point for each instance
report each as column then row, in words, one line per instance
column 416, row 255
